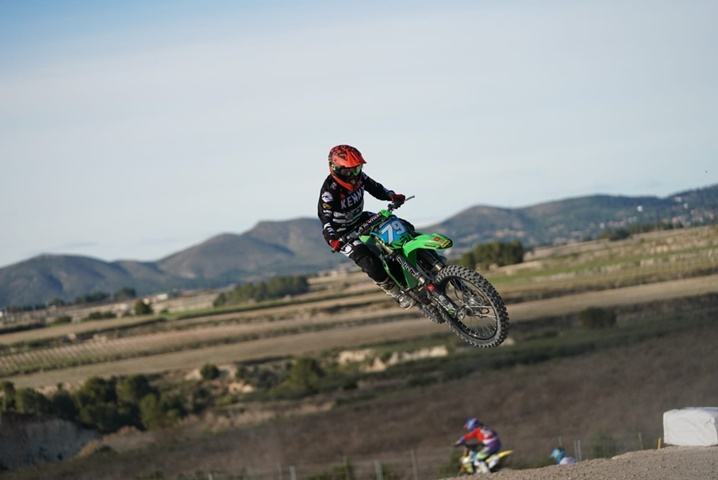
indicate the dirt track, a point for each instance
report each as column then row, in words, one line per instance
column 674, row 463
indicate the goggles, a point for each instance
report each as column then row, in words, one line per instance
column 347, row 172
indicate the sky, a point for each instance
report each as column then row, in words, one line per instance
column 134, row 129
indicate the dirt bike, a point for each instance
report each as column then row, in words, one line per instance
column 493, row 463
column 450, row 294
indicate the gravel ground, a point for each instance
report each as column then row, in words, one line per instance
column 673, row 463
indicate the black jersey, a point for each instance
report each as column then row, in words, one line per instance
column 340, row 210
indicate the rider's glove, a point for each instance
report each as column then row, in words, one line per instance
column 335, row 244
column 459, row 442
column 397, row 198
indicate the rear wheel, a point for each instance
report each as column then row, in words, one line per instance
column 480, row 317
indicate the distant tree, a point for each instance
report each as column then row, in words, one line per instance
column 8, row 395
column 596, row 318
column 615, row 234
column 94, row 297
column 200, row 398
column 102, row 404
column 494, row 253
column 157, row 412
column 467, row 260
column 133, row 389
column 125, row 293
column 100, row 316
column 97, row 390
column 56, row 302
column 303, row 378
column 141, row 308
column 98, row 406
column 28, row 400
column 209, row 371
column 63, row 405
column 276, row 287
column 220, row 300
column 104, row 416
column 61, row 320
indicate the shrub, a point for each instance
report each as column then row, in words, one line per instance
column 61, row 320
column 8, row 396
column 494, row 253
column 125, row 293
column 133, row 389
column 199, row 399
column 209, row 372
column 303, row 378
column 96, row 390
column 94, row 297
column 103, row 404
column 262, row 378
column 141, row 308
column 104, row 416
column 100, row 316
column 63, row 406
column 56, row 302
column 276, row 287
column 31, row 401
column 596, row 318
column 157, row 411
column 615, row 234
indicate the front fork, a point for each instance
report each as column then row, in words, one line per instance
column 422, row 282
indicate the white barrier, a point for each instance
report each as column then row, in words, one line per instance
column 694, row 427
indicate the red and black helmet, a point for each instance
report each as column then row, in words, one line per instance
column 345, row 165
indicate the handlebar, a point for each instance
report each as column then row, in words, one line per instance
column 369, row 223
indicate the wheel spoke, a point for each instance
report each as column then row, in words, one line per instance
column 477, row 314
column 471, row 305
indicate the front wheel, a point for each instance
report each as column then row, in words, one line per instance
column 480, row 317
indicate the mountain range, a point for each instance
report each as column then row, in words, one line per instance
column 296, row 246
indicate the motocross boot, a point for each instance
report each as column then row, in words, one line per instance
column 482, row 467
column 393, row 291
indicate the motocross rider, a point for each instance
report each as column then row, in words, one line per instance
column 479, row 435
column 341, row 210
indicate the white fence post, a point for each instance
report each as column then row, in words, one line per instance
column 580, row 453
column 377, row 469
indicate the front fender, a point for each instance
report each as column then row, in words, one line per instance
column 431, row 241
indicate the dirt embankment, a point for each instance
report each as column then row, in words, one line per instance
column 26, row 441
column 674, row 463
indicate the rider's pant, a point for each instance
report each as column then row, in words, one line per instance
column 487, row 451
column 367, row 261
column 364, row 257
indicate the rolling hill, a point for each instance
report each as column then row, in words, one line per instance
column 296, row 246
column 576, row 219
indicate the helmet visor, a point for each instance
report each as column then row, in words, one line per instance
column 347, row 172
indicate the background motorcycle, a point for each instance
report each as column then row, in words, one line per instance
column 493, row 463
